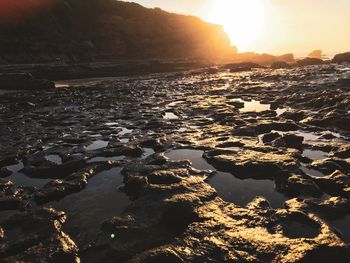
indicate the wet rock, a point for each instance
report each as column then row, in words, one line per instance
column 37, row 238
column 310, row 62
column 297, row 185
column 157, row 256
column 230, row 144
column 253, row 164
column 166, row 176
column 331, row 165
column 342, row 58
column 331, row 208
column 336, row 183
column 181, row 213
column 293, row 115
column 280, row 65
column 269, row 137
column 135, row 185
column 289, row 140
column 343, row 152
column 48, row 169
column 240, row 67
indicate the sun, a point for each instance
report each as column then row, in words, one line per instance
column 243, row 20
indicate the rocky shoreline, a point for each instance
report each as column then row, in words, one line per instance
column 195, row 166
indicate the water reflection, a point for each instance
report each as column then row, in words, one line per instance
column 228, row 187
column 100, row 200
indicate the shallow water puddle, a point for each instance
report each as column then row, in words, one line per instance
column 315, row 154
column 241, row 192
column 194, row 156
column 147, row 152
column 99, row 201
column 253, row 106
column 308, row 136
column 54, row 158
column 343, row 226
column 20, row 179
column 228, row 187
column 311, row 172
column 105, row 159
column 99, row 144
column 170, row 116
column 280, row 111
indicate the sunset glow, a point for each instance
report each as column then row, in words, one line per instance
column 243, row 20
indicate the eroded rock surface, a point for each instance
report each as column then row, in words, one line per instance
column 155, row 143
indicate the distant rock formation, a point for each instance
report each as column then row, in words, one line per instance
column 316, row 54
column 280, row 65
column 342, row 58
column 90, row 30
column 262, row 59
column 310, row 62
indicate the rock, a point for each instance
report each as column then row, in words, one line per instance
column 293, row 115
column 23, row 81
column 289, row 140
column 337, row 183
column 253, row 164
column 166, row 176
column 211, row 230
column 244, row 66
column 269, row 137
column 342, row 152
column 297, row 185
column 280, row 65
column 342, row 58
column 135, row 185
column 37, row 237
column 310, row 62
column 331, row 208
column 316, row 54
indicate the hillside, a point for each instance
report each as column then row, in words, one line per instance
column 93, row 30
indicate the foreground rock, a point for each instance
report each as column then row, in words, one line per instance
column 185, row 221
column 36, row 238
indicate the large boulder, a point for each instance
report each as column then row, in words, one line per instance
column 23, row 81
column 342, row 58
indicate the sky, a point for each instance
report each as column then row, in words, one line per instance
column 273, row 26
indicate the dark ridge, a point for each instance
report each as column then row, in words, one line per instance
column 90, row 30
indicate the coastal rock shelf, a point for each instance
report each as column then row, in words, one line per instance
column 191, row 166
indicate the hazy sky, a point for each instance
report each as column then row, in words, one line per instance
column 273, row 26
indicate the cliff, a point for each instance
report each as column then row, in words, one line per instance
column 97, row 30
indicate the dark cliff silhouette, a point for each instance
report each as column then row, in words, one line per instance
column 90, row 30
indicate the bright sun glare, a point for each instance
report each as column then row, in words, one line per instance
column 243, row 20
